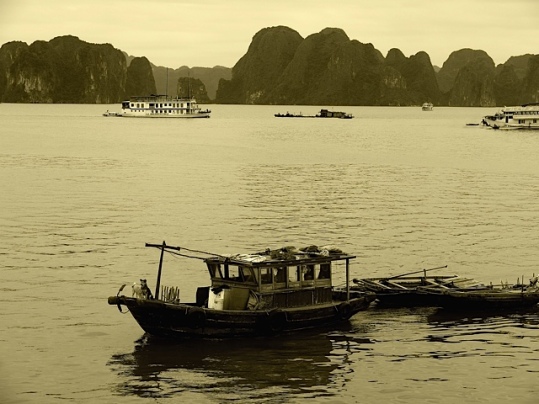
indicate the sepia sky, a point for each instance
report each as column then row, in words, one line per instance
column 207, row 33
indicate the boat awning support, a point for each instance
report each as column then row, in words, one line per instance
column 162, row 247
column 158, row 283
column 347, row 279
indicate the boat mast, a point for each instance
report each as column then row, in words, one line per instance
column 347, row 280
column 162, row 247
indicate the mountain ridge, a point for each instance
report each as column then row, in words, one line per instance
column 279, row 67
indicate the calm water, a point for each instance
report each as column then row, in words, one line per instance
column 400, row 188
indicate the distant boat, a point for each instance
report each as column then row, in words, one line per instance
column 324, row 113
column 161, row 106
column 289, row 115
column 427, row 106
column 525, row 116
column 110, row 113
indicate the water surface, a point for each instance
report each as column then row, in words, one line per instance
column 400, row 188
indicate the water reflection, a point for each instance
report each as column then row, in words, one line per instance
column 307, row 364
column 447, row 318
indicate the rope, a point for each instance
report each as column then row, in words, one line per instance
column 203, row 252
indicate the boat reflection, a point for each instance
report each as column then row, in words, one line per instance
column 305, row 364
column 448, row 317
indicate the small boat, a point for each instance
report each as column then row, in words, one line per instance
column 110, row 113
column 491, row 298
column 262, row 293
column 404, row 290
column 289, row 115
column 525, row 116
column 324, row 113
column 502, row 296
column 162, row 106
column 427, row 106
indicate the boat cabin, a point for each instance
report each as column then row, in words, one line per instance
column 262, row 282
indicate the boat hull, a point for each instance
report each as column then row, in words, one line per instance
column 493, row 299
column 179, row 116
column 178, row 321
column 404, row 298
column 402, row 291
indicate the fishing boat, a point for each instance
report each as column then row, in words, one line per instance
column 504, row 296
column 427, row 106
column 324, row 113
column 262, row 293
column 525, row 116
column 405, row 290
column 290, row 115
column 161, row 106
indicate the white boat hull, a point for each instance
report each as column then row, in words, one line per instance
column 185, row 116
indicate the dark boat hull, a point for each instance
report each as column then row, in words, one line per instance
column 188, row 320
column 405, row 298
column 482, row 299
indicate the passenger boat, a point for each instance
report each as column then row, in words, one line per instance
column 427, row 106
column 263, row 293
column 525, row 116
column 161, row 106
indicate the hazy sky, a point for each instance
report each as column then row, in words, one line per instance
column 206, row 33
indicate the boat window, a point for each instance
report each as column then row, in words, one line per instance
column 215, row 270
column 266, row 275
column 308, row 272
column 241, row 274
column 280, row 275
column 293, row 274
column 325, row 271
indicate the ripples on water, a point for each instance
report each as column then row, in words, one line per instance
column 396, row 355
column 401, row 189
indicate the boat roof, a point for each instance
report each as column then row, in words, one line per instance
column 160, row 97
column 286, row 256
column 523, row 107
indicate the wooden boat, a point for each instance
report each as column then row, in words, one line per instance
column 263, row 293
column 324, row 113
column 402, row 290
column 449, row 291
column 518, row 296
column 289, row 115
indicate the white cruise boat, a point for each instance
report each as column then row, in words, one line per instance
column 520, row 117
column 162, row 106
column 427, row 106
